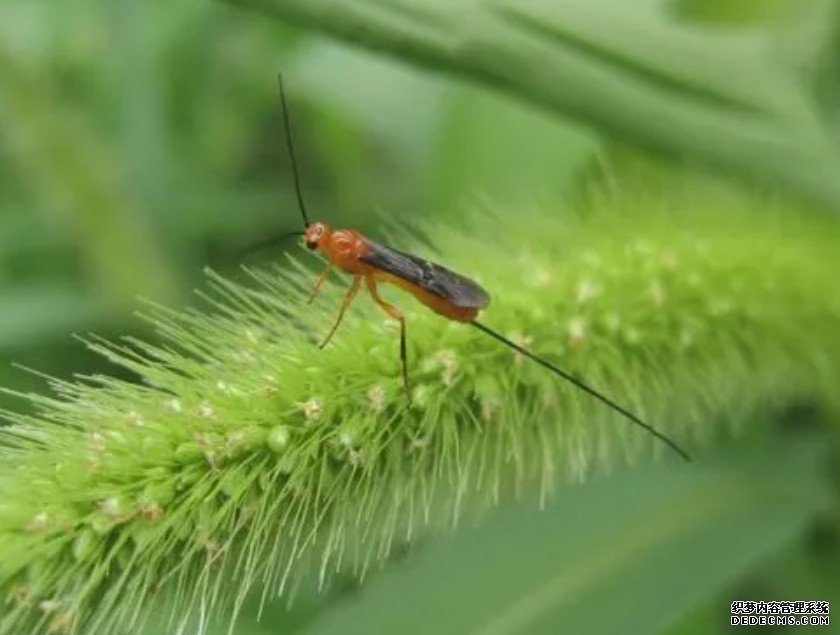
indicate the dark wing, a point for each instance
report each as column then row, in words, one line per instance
column 447, row 284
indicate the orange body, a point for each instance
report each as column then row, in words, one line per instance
column 344, row 248
column 445, row 292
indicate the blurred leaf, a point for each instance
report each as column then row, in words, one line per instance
column 500, row 149
column 381, row 97
column 74, row 177
column 632, row 70
column 628, row 555
column 733, row 11
column 799, row 572
column 827, row 73
column 138, row 95
column 457, row 141
column 374, row 121
column 30, row 315
column 263, row 618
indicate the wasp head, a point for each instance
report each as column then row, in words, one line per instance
column 315, row 234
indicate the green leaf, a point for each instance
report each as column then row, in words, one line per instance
column 502, row 151
column 34, row 314
column 733, row 100
column 445, row 141
column 627, row 555
column 72, row 174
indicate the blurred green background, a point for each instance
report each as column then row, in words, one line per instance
column 140, row 141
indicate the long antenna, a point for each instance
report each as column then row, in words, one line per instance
column 291, row 148
column 577, row 382
column 269, row 242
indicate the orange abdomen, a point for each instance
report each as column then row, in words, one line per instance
column 435, row 302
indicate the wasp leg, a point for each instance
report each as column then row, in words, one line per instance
column 319, row 281
column 348, row 298
column 395, row 313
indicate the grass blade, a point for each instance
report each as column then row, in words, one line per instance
column 721, row 99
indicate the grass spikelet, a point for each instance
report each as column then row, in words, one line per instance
column 246, row 458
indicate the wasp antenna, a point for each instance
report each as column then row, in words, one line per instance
column 588, row 389
column 269, row 242
column 287, row 126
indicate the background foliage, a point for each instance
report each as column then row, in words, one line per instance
column 141, row 143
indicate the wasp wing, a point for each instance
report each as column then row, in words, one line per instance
column 455, row 288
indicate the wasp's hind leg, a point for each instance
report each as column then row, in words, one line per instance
column 395, row 313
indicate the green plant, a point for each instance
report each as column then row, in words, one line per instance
column 80, row 183
column 595, row 565
column 752, row 102
column 246, row 458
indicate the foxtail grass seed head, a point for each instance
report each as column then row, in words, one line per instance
column 205, row 409
column 376, row 398
column 248, row 458
column 38, row 523
column 577, row 332
column 587, row 290
column 312, row 408
column 278, row 439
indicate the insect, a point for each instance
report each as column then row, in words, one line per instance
column 445, row 292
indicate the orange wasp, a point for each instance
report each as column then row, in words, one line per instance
column 447, row 293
